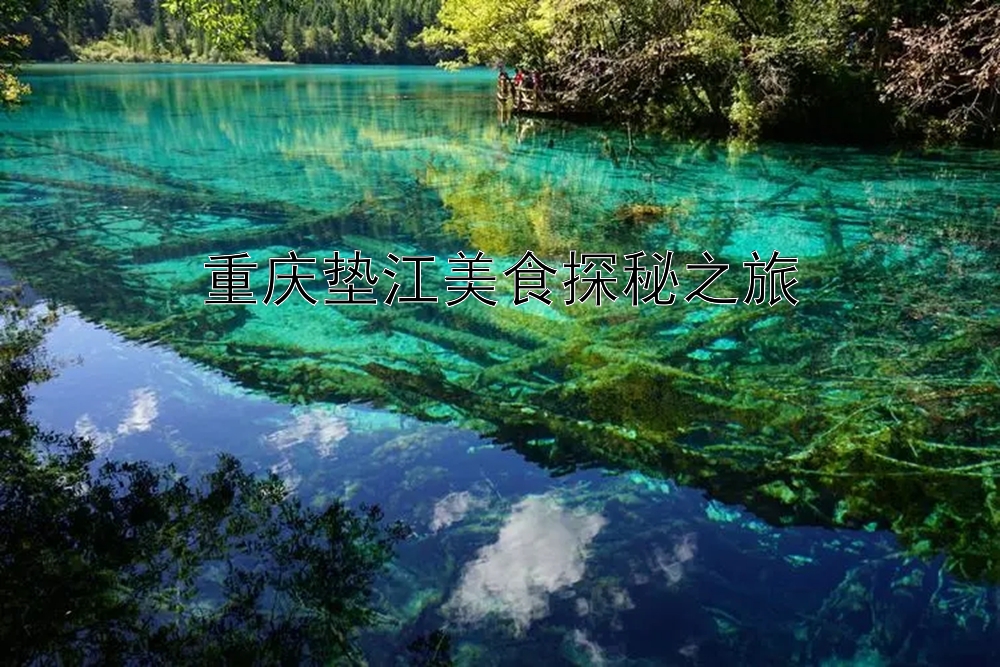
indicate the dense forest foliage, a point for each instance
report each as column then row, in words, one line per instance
column 840, row 70
column 307, row 31
column 794, row 69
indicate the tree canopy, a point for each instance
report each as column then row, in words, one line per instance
column 840, row 69
column 13, row 42
column 309, row 31
column 230, row 26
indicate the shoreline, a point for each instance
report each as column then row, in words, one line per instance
column 37, row 64
column 81, row 62
column 890, row 144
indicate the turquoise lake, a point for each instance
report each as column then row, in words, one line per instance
column 688, row 483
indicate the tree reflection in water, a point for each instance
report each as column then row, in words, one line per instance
column 123, row 562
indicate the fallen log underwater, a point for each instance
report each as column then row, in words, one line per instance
column 841, row 411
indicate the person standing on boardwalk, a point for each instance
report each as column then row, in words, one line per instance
column 536, row 89
column 503, row 86
column 518, row 83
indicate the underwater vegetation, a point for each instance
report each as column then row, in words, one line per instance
column 870, row 402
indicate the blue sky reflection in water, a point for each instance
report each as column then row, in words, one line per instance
column 585, row 568
column 586, row 565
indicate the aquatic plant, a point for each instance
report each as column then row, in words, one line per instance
column 872, row 400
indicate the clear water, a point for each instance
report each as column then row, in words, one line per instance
column 652, row 485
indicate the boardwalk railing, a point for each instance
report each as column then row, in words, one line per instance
column 524, row 98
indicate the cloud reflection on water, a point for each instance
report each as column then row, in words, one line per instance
column 144, row 409
column 321, row 427
column 453, row 508
column 542, row 548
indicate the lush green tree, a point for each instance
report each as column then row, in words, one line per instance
column 495, row 31
column 12, row 45
column 802, row 69
column 12, row 89
column 124, row 14
column 228, row 25
column 337, row 30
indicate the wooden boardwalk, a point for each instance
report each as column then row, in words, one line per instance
column 525, row 99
